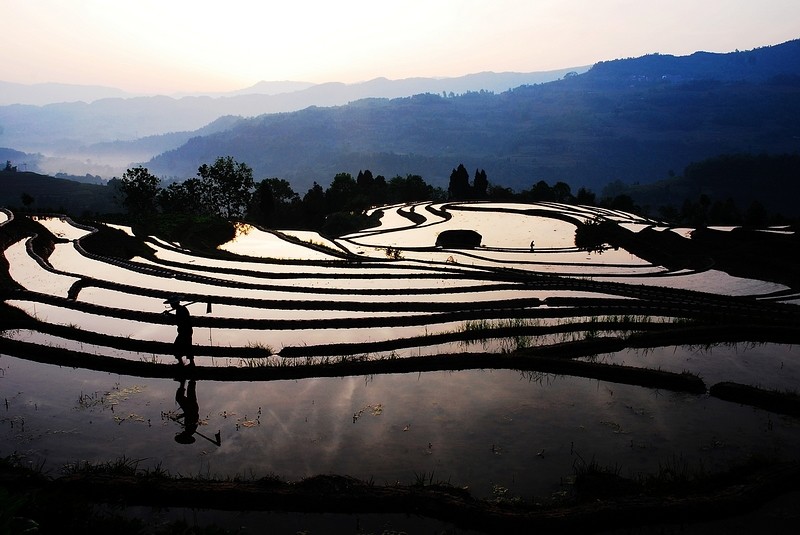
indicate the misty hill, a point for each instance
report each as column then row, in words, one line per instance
column 19, row 159
column 53, row 93
column 143, row 148
column 69, row 127
column 632, row 120
column 48, row 93
column 261, row 88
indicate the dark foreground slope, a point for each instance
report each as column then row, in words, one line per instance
column 601, row 501
column 55, row 195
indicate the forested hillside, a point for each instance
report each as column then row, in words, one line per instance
column 49, row 194
column 636, row 120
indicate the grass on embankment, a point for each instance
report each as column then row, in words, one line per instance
column 599, row 498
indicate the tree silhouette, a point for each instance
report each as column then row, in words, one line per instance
column 139, row 189
column 408, row 189
column 272, row 202
column 229, row 186
column 373, row 189
column 365, row 180
column 480, row 185
column 562, row 192
column 541, row 191
column 585, row 196
column 187, row 197
column 314, row 207
column 342, row 194
column 459, row 187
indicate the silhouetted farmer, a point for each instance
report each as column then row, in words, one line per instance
column 187, row 401
column 183, row 342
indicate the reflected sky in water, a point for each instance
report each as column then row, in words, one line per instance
column 474, row 428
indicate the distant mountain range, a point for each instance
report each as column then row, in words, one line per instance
column 631, row 120
column 88, row 115
column 50, row 93
column 44, row 94
column 635, row 120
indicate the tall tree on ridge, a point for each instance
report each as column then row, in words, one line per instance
column 230, row 186
column 139, row 189
column 480, row 184
column 459, row 187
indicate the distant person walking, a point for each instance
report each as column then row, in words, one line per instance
column 183, row 342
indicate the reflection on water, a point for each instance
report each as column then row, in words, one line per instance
column 251, row 241
column 547, row 232
column 62, row 227
column 481, row 429
column 189, row 415
column 31, row 276
column 189, row 418
column 713, row 281
column 522, row 431
column 768, row 366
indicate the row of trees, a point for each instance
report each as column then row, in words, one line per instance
column 226, row 190
column 460, row 188
column 222, row 189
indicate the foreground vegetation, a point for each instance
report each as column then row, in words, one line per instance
column 596, row 499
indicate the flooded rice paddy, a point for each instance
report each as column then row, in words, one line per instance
column 385, row 292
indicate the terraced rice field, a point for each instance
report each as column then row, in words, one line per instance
column 434, row 347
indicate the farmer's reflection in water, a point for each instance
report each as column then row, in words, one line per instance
column 187, row 401
column 189, row 418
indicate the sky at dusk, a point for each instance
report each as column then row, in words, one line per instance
column 168, row 46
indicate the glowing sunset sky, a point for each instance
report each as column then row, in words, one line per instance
column 179, row 45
